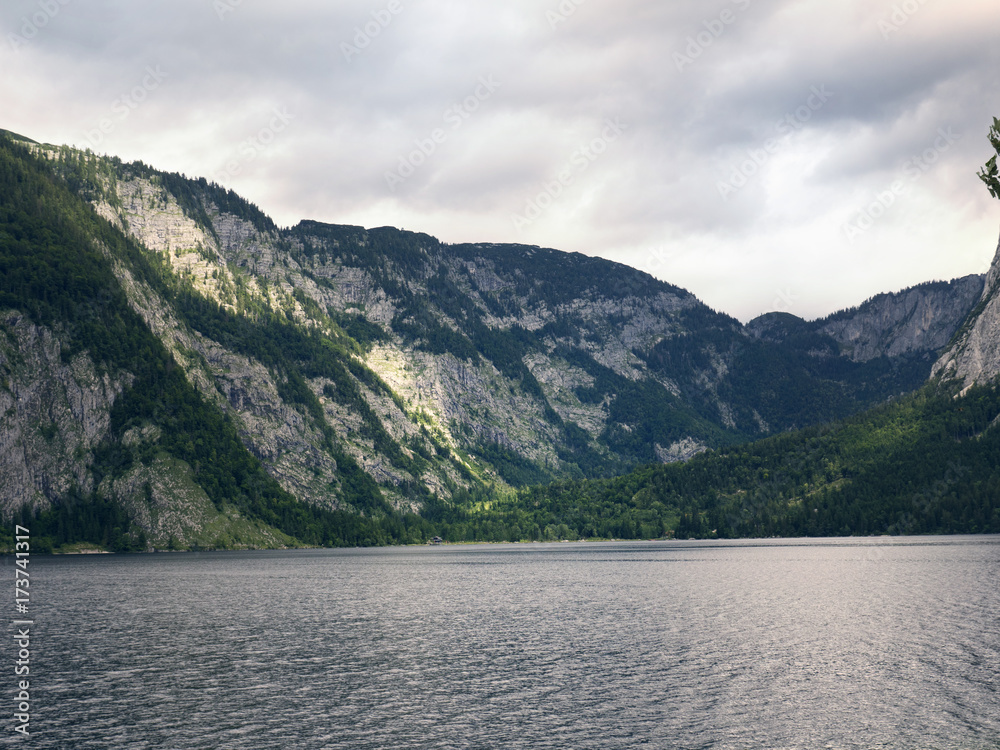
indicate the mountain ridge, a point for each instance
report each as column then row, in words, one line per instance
column 921, row 318
column 378, row 371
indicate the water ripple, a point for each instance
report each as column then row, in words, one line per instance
column 826, row 643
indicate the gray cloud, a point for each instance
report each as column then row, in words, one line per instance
column 710, row 94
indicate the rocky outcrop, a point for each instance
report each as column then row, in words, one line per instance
column 974, row 355
column 145, row 210
column 918, row 320
column 682, row 450
column 559, row 379
column 525, row 354
column 463, row 403
column 53, row 413
column 164, row 500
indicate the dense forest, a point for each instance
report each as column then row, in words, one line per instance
column 927, row 464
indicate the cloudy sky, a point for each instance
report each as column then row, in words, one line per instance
column 797, row 155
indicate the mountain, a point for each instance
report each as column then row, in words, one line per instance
column 920, row 320
column 926, row 463
column 178, row 369
column 578, row 342
column 973, row 357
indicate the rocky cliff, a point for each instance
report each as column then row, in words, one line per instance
column 374, row 368
column 919, row 319
column 53, row 414
column 974, row 354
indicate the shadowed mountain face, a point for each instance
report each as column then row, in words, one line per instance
column 366, row 369
column 919, row 320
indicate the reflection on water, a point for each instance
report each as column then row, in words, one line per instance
column 883, row 643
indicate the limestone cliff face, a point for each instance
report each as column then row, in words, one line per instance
column 56, row 411
column 467, row 363
column 234, row 263
column 974, row 355
column 408, row 286
column 920, row 319
column 53, row 413
column 462, row 403
column 144, row 209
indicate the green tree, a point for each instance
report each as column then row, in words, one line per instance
column 989, row 173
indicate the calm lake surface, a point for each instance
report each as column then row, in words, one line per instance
column 856, row 643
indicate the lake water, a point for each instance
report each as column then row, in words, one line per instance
column 856, row 643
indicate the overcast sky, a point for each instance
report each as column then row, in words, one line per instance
column 763, row 154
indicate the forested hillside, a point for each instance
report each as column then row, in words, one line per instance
column 180, row 372
column 928, row 464
column 56, row 270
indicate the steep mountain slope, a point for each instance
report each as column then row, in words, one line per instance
column 603, row 367
column 71, row 351
column 927, row 463
column 918, row 321
column 104, row 434
column 178, row 367
column 974, row 354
